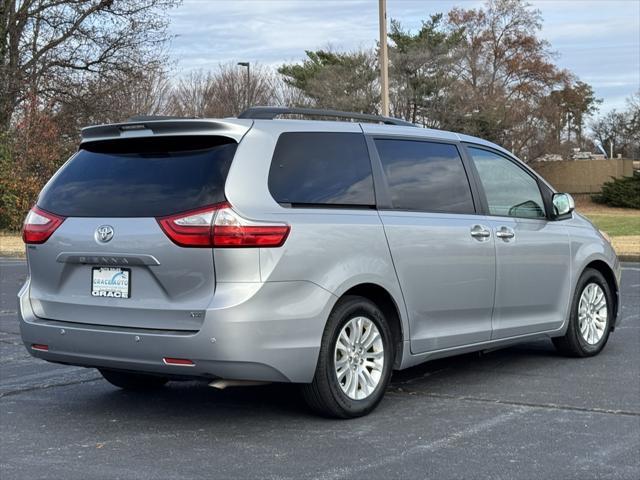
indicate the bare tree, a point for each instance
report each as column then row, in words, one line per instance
column 504, row 72
column 192, row 96
column 224, row 92
column 286, row 95
column 633, row 122
column 233, row 92
column 114, row 99
column 620, row 129
column 46, row 44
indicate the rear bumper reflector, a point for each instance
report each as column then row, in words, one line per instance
column 182, row 362
column 40, row 347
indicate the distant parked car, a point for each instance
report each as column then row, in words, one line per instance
column 323, row 253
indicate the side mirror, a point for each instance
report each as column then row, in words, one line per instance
column 563, row 204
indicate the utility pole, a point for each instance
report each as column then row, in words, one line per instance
column 247, row 97
column 384, row 60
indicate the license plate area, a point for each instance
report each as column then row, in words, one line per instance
column 111, row 282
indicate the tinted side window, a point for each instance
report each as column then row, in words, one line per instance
column 321, row 168
column 510, row 191
column 425, row 176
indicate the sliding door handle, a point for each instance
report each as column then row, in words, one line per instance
column 480, row 232
column 505, row 233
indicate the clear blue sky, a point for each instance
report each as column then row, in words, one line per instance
column 598, row 40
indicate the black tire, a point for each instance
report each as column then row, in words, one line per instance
column 324, row 395
column 138, row 382
column 573, row 344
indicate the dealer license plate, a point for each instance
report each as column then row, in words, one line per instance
column 111, row 282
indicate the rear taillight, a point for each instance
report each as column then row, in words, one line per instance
column 231, row 230
column 191, row 229
column 39, row 225
column 219, row 226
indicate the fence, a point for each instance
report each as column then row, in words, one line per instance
column 583, row 176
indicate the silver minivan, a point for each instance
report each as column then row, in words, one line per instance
column 324, row 253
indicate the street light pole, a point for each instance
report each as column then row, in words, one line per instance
column 384, row 67
column 247, row 64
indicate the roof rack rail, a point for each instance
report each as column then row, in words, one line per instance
column 269, row 113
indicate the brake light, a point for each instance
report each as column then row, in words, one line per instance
column 39, row 225
column 219, row 226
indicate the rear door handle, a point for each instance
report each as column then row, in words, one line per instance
column 505, row 233
column 480, row 232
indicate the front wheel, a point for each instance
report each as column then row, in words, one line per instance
column 355, row 361
column 590, row 319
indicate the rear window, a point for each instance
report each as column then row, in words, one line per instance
column 141, row 177
column 321, row 169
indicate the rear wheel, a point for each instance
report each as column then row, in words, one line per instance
column 591, row 317
column 355, row 361
column 133, row 381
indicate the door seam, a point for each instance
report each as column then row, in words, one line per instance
column 395, row 271
column 495, row 277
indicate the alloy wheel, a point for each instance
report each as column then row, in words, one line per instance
column 359, row 358
column 592, row 313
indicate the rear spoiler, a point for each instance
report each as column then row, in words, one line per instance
column 232, row 128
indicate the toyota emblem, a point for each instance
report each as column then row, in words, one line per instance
column 104, row 233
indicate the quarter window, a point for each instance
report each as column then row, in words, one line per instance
column 321, row 168
column 510, row 191
column 425, row 176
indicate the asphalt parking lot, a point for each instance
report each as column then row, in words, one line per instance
column 522, row 412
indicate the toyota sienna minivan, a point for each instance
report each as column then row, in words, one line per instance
column 324, row 253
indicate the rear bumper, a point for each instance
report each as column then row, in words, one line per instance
column 273, row 334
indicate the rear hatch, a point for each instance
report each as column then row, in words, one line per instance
column 109, row 262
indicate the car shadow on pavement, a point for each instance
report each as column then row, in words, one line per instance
column 517, row 356
column 194, row 401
